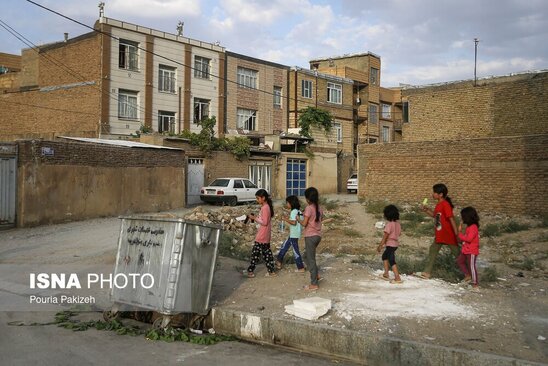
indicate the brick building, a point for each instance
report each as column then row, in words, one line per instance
column 497, row 106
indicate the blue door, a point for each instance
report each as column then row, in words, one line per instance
column 295, row 182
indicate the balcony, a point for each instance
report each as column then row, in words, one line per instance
column 398, row 125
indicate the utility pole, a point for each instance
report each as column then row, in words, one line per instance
column 476, row 41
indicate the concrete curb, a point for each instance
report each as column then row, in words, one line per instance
column 350, row 345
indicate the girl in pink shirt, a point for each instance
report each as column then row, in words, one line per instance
column 470, row 245
column 312, row 223
column 390, row 242
column 261, row 248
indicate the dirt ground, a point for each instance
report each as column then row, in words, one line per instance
column 506, row 317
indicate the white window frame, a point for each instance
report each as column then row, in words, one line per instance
column 247, row 119
column 128, row 104
column 128, row 55
column 374, row 76
column 373, row 113
column 334, row 93
column 167, row 79
column 247, row 78
column 202, row 66
column 306, row 89
column 277, row 97
column 386, row 112
column 385, row 134
column 201, row 109
column 337, row 128
column 166, row 118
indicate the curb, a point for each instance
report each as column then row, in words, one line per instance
column 349, row 345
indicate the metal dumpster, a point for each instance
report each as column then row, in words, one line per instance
column 179, row 255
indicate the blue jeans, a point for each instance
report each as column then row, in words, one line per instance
column 291, row 242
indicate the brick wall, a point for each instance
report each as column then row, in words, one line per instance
column 81, row 181
column 504, row 106
column 501, row 174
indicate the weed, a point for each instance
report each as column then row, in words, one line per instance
column 351, row 232
column 491, row 230
column 514, row 227
column 416, row 229
column 413, row 216
column 375, row 207
column 528, row 264
column 329, row 205
column 446, row 268
column 407, row 264
column 360, row 260
column 544, row 222
column 228, row 247
column 489, row 274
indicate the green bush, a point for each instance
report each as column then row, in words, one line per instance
column 491, row 230
column 375, row 207
column 329, row 205
column 489, row 274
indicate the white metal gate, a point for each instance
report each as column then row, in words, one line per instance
column 260, row 174
column 194, row 180
column 8, row 184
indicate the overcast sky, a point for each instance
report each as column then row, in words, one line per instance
column 419, row 41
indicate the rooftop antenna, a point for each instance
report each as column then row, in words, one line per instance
column 476, row 41
column 101, row 9
column 180, row 28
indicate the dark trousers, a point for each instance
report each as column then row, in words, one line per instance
column 310, row 245
column 390, row 255
column 294, row 243
column 261, row 250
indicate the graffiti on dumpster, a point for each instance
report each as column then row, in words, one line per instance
column 145, row 236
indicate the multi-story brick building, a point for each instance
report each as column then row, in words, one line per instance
column 112, row 82
column 497, row 106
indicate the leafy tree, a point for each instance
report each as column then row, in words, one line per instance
column 311, row 116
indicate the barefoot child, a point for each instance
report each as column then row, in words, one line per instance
column 292, row 203
column 262, row 239
column 390, row 241
column 470, row 245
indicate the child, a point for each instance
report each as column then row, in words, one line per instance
column 392, row 232
column 312, row 223
column 470, row 245
column 292, row 203
column 445, row 227
column 262, row 239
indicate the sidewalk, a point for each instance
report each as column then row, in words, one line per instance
column 363, row 326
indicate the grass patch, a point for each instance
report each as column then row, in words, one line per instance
column 492, row 230
column 417, row 229
column 228, row 247
column 413, row 216
column 489, row 274
column 329, row 205
column 360, row 260
column 375, row 207
column 351, row 233
column 445, row 266
column 528, row 264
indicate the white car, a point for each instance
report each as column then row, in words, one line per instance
column 352, row 183
column 229, row 191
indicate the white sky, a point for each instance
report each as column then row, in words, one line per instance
column 419, row 41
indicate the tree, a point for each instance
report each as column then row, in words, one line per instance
column 311, row 116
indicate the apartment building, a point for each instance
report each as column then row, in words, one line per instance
column 112, row 82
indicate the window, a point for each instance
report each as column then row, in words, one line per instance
column 337, row 128
column 247, row 78
column 334, row 93
column 372, row 140
column 128, row 57
column 277, row 97
column 247, row 119
column 385, row 134
column 373, row 113
column 306, row 88
column 249, row 184
column 201, row 67
column 374, row 76
column 166, row 121
column 166, row 79
column 238, row 184
column 405, row 112
column 201, row 109
column 386, row 111
column 295, row 182
column 127, row 104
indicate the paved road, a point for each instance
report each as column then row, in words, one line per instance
column 84, row 244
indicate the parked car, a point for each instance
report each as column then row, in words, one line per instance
column 229, row 191
column 352, row 183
